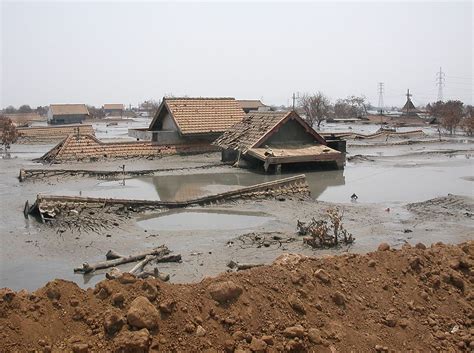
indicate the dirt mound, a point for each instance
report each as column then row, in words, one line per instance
column 451, row 206
column 413, row 299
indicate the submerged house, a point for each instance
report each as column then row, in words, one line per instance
column 274, row 139
column 113, row 109
column 191, row 120
column 67, row 113
column 249, row 105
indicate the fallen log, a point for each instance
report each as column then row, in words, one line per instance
column 240, row 267
column 88, row 268
column 169, row 258
column 141, row 265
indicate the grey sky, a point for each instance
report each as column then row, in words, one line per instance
column 99, row 52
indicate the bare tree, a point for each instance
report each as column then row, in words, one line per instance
column 351, row 107
column 9, row 110
column 467, row 122
column 316, row 108
column 448, row 114
column 96, row 113
column 25, row 108
column 9, row 132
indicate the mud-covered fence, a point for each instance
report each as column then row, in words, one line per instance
column 44, row 173
column 50, row 206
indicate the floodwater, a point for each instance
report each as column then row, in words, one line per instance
column 203, row 220
column 393, row 180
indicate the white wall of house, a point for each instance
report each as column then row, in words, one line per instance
column 50, row 114
column 168, row 123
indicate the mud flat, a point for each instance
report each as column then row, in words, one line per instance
column 406, row 193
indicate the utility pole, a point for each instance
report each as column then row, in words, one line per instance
column 381, row 98
column 295, row 97
column 440, row 83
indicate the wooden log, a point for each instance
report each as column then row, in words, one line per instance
column 169, row 258
column 88, row 268
column 141, row 265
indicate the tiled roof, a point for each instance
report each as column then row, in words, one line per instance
column 251, row 103
column 87, row 147
column 51, row 133
column 69, row 109
column 202, row 115
column 113, row 106
column 255, row 128
column 246, row 133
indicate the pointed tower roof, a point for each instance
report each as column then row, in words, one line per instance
column 409, row 107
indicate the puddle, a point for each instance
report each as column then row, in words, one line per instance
column 133, row 189
column 203, row 220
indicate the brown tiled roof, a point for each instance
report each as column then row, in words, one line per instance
column 52, row 133
column 251, row 103
column 87, row 147
column 257, row 127
column 201, row 115
column 113, row 106
column 69, row 109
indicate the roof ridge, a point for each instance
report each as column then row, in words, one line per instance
column 198, row 98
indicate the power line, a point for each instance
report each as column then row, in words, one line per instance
column 440, row 78
column 381, row 97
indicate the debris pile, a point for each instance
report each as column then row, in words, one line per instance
column 156, row 255
column 323, row 233
column 415, row 299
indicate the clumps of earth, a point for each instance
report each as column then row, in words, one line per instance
column 416, row 298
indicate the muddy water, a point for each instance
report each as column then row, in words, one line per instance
column 203, row 220
column 397, row 179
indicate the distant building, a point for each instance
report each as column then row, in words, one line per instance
column 24, row 119
column 409, row 108
column 273, row 139
column 191, row 120
column 249, row 105
column 113, row 109
column 67, row 113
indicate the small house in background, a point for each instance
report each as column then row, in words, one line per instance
column 191, row 120
column 24, row 119
column 276, row 139
column 113, row 109
column 249, row 105
column 67, row 113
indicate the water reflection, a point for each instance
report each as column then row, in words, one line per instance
column 203, row 220
column 185, row 187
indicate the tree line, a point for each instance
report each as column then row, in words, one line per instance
column 453, row 114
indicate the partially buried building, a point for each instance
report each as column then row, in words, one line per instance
column 276, row 139
column 192, row 120
column 67, row 113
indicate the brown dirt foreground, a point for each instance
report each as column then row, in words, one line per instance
column 413, row 299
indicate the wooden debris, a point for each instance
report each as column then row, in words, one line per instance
column 323, row 234
column 88, row 268
column 240, row 267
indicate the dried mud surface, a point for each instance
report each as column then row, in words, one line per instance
column 412, row 299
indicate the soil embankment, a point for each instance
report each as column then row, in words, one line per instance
column 413, row 299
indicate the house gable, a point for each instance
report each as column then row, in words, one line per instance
column 290, row 130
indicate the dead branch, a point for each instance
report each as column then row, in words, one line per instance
column 87, row 268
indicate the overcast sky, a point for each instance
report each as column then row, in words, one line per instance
column 126, row 52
